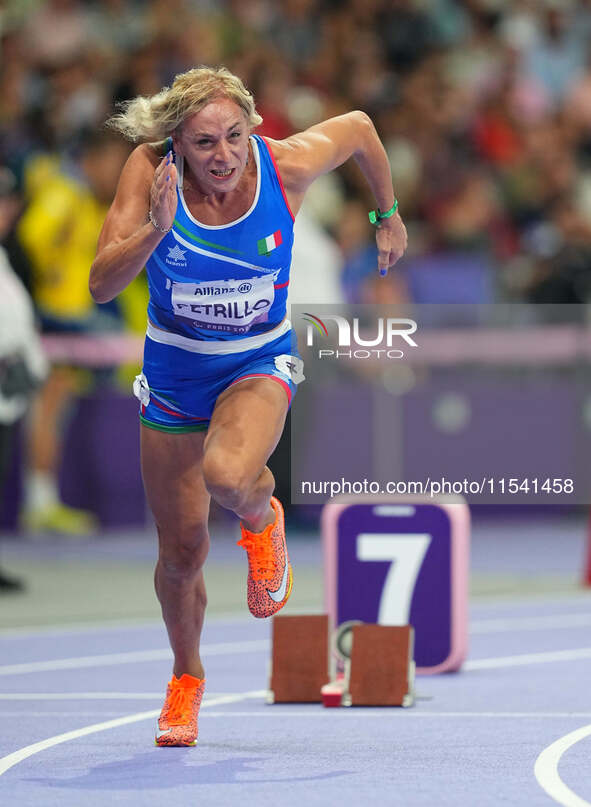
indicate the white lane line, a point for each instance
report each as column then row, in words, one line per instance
column 530, row 623
column 546, row 769
column 26, row 713
column 578, row 595
column 25, row 631
column 13, row 759
column 91, row 696
column 74, row 627
column 477, row 626
column 390, row 711
column 229, row 648
column 527, row 658
column 315, row 711
column 134, row 657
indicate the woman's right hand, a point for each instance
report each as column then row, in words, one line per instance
column 128, row 238
column 163, row 199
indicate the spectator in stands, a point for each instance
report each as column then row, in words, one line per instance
column 22, row 364
column 59, row 231
column 57, row 30
column 557, row 55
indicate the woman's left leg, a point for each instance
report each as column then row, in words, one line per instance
column 245, row 427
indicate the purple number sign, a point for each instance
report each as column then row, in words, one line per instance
column 401, row 561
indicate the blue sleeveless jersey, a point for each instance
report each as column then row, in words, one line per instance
column 230, row 281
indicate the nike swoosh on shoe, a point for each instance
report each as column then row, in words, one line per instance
column 163, row 733
column 279, row 594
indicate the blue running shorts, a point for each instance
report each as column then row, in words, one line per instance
column 182, row 378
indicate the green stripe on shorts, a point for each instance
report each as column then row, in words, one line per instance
column 195, row 427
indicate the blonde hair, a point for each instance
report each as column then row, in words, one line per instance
column 155, row 118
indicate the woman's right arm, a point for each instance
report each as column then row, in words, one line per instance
column 128, row 238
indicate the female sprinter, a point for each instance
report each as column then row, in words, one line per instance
column 208, row 207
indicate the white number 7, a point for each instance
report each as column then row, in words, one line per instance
column 406, row 553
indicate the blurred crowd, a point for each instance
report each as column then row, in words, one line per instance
column 484, row 107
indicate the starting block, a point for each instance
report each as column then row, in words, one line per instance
column 300, row 659
column 371, row 665
column 381, row 668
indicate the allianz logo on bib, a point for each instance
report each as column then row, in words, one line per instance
column 213, row 291
column 176, row 256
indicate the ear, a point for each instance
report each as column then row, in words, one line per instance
column 175, row 142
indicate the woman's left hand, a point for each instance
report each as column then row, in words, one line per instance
column 391, row 239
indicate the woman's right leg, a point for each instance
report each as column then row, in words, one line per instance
column 176, row 493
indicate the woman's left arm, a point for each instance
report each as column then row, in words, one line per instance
column 303, row 157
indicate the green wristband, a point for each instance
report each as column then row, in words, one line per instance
column 375, row 216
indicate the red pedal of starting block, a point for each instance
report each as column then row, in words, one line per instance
column 332, row 693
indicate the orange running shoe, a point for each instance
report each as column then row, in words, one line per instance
column 177, row 724
column 269, row 571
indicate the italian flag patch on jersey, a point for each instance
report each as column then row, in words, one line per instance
column 268, row 244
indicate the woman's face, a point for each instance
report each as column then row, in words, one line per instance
column 214, row 142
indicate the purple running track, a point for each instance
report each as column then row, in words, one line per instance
column 472, row 738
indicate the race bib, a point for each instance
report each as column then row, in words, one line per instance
column 224, row 305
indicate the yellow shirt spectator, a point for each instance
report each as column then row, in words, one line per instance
column 59, row 230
